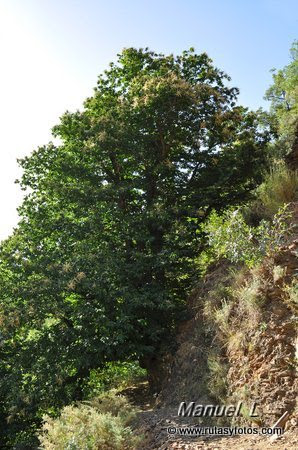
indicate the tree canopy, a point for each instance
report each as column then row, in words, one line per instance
column 283, row 94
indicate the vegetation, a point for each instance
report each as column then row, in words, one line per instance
column 113, row 375
column 280, row 187
column 217, row 380
column 251, row 234
column 283, row 94
column 231, row 237
column 292, row 296
column 159, row 174
column 103, row 425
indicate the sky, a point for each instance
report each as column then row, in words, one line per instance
column 52, row 51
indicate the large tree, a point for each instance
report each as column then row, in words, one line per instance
column 105, row 252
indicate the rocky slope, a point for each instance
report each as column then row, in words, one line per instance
column 250, row 356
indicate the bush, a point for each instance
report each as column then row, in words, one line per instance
column 232, row 238
column 120, row 374
column 112, row 403
column 101, row 424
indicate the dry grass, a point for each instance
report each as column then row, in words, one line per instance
column 291, row 297
column 217, row 383
column 235, row 341
column 278, row 273
column 280, row 187
column 222, row 315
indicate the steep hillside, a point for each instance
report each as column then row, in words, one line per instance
column 267, row 370
column 238, row 346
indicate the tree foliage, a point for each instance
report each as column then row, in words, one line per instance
column 102, row 260
column 283, row 94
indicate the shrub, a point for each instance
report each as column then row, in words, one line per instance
column 112, row 403
column 232, row 238
column 120, row 374
column 101, row 424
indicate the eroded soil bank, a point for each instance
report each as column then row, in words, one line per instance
column 258, row 353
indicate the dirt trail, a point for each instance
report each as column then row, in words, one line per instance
column 154, row 420
column 153, row 423
column 286, row 442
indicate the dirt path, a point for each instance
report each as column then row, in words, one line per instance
column 153, row 422
column 288, row 441
column 155, row 429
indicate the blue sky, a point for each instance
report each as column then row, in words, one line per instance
column 53, row 50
